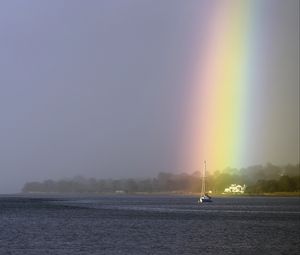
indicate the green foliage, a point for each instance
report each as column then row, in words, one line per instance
column 284, row 184
column 258, row 179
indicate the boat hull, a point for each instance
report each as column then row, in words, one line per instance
column 204, row 199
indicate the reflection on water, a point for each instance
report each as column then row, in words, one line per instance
column 149, row 225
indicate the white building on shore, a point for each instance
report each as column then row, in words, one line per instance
column 235, row 188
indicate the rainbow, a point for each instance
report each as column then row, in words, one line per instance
column 222, row 77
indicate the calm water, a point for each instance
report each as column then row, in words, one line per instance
column 148, row 225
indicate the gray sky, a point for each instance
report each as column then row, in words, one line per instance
column 98, row 88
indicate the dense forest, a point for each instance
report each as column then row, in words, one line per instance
column 258, row 179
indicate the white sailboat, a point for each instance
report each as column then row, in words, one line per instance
column 204, row 197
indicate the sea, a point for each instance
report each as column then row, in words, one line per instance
column 146, row 224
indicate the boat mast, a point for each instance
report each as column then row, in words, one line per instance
column 203, row 179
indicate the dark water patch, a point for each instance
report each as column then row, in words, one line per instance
column 148, row 225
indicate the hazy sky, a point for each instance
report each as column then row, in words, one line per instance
column 98, row 88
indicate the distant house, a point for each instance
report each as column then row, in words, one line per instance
column 235, row 188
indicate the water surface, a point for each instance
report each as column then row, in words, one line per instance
column 148, row 225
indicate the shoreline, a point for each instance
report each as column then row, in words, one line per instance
column 189, row 194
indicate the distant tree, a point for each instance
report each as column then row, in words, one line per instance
column 48, row 186
column 131, row 186
column 291, row 170
column 259, row 179
column 145, row 185
column 285, row 184
column 272, row 172
column 33, row 187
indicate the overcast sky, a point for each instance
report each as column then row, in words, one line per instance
column 97, row 88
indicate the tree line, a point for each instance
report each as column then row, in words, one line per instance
column 258, row 179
